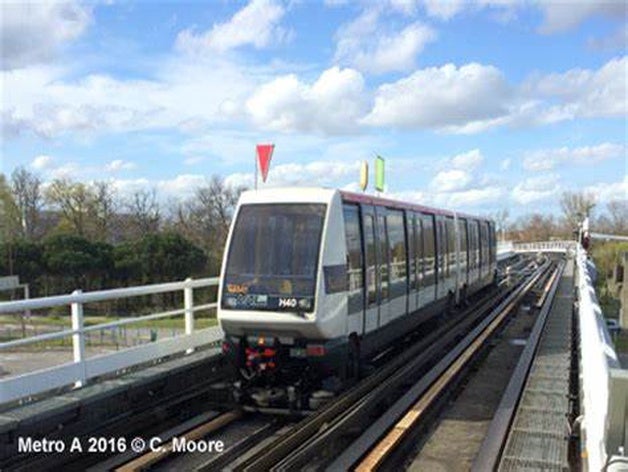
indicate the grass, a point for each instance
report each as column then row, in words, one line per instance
column 621, row 342
column 64, row 321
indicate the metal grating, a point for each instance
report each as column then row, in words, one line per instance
column 538, row 436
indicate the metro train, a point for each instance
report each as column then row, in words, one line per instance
column 316, row 280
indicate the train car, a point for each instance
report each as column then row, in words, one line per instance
column 313, row 280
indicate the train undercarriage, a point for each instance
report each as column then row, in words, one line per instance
column 298, row 377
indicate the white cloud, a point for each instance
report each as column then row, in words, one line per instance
column 467, row 161
column 317, row 173
column 474, row 98
column 41, row 162
column 365, row 44
column 444, row 10
column 469, row 199
column 180, row 186
column 505, row 164
column 535, row 189
column 607, row 191
column 440, row 97
column 583, row 92
column 548, row 159
column 331, row 105
column 615, row 41
column 118, row 165
column 32, row 32
column 473, row 197
column 257, row 24
column 447, row 9
column 69, row 170
column 450, row 180
column 557, row 16
column 561, row 16
column 176, row 188
column 45, row 101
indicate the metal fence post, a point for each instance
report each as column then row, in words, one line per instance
column 78, row 339
column 188, row 306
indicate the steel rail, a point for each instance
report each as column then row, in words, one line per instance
column 374, row 388
column 371, row 435
column 376, row 457
column 153, row 457
column 307, row 428
column 491, row 449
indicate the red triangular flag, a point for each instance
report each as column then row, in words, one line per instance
column 264, row 153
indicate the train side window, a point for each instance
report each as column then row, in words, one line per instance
column 411, row 232
column 484, row 255
column 418, row 252
column 382, row 242
column 398, row 261
column 441, row 248
column 464, row 259
column 371, row 260
column 451, row 245
column 429, row 254
column 354, row 258
column 478, row 250
column 493, row 249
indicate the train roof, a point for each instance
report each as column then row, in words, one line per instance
column 387, row 202
column 324, row 195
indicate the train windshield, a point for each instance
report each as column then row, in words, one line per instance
column 273, row 257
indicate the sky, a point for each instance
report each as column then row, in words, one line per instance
column 478, row 105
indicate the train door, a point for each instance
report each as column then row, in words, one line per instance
column 441, row 257
column 428, row 287
column 383, row 258
column 452, row 261
column 397, row 264
column 415, row 252
column 464, row 251
column 371, row 278
column 355, row 269
column 413, row 289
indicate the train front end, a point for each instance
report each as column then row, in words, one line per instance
column 277, row 303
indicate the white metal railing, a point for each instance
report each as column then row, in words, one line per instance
column 597, row 361
column 505, row 250
column 82, row 369
column 545, row 246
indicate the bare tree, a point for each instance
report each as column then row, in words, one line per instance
column 103, row 204
column 26, row 188
column 501, row 217
column 74, row 201
column 536, row 227
column 9, row 221
column 205, row 218
column 576, row 206
column 144, row 211
column 618, row 216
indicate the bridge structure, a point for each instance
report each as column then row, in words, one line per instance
column 603, row 384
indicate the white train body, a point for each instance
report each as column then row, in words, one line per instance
column 395, row 288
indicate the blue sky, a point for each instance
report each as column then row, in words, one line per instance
column 479, row 105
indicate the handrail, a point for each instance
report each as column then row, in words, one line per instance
column 82, row 369
column 597, row 360
column 103, row 295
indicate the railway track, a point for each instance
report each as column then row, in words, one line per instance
column 347, row 433
column 315, row 441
